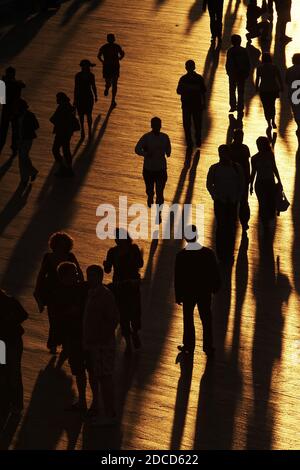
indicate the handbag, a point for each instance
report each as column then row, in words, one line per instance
column 282, row 203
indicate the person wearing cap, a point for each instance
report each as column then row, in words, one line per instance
column 85, row 93
column 196, row 279
column 65, row 123
column 192, row 89
column 10, row 108
column 110, row 55
column 27, row 126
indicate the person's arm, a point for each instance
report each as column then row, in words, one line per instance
column 253, row 174
column 168, row 146
column 241, row 181
column 247, row 62
column 275, row 170
column 121, row 53
column 258, row 79
column 35, row 122
column 215, row 274
column 210, row 182
column 20, row 313
column 94, row 88
column 279, row 79
column 179, row 89
column 100, row 55
column 53, row 118
column 247, row 164
column 108, row 262
column 178, row 280
column 228, row 64
column 140, row 148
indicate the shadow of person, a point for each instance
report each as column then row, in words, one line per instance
column 95, row 438
column 15, row 204
column 296, row 224
column 46, row 421
column 54, row 211
column 19, row 36
column 186, row 362
column 271, row 289
column 250, row 90
column 194, row 15
column 75, row 6
column 6, row 166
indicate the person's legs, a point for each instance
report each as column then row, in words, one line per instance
column 244, row 212
column 265, row 99
column 56, row 149
column 187, row 125
column 161, row 178
column 197, row 118
column 108, row 395
column 14, row 374
column 212, row 15
column 81, row 388
column 232, row 93
column 14, row 135
column 81, row 120
column 114, row 89
column 220, row 214
column 219, row 17
column 204, row 308
column 4, row 126
column 241, row 93
column 231, row 210
column 27, row 170
column 67, row 153
column 188, row 325
column 149, row 183
column 136, row 313
column 90, row 122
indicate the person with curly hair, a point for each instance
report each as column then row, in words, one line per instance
column 60, row 245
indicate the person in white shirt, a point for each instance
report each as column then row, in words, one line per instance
column 154, row 146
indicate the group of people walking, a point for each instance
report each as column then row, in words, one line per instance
column 84, row 313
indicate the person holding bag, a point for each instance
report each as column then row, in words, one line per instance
column 264, row 171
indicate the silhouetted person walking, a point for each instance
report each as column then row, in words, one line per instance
column 12, row 315
column 192, row 89
column 239, row 153
column 110, row 55
column 283, row 9
column 27, row 125
column 85, row 93
column 291, row 78
column 238, row 70
column 225, row 183
column 65, row 123
column 69, row 298
column 264, row 171
column 154, row 146
column 126, row 259
column 101, row 318
column 255, row 29
column 196, row 279
column 269, row 84
column 10, row 109
column 215, row 9
column 60, row 245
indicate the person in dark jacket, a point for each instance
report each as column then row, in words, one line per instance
column 65, row 123
column 85, row 93
column 215, row 9
column 225, row 183
column 47, row 283
column 126, row 259
column 257, row 29
column 12, row 315
column 238, row 70
column 14, row 89
column 196, row 279
column 192, row 89
column 240, row 154
column 27, row 126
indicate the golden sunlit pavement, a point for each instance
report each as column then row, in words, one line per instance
column 249, row 397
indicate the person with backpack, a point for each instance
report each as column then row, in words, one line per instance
column 12, row 315
column 226, row 185
column 238, row 70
